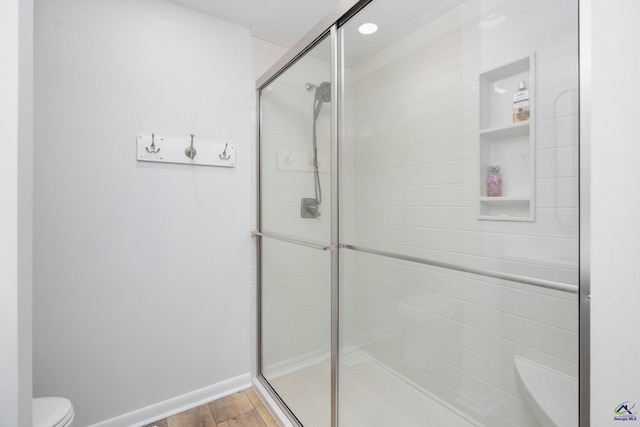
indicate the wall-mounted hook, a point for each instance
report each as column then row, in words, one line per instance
column 190, row 151
column 224, row 155
column 152, row 148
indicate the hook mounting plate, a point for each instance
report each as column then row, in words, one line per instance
column 172, row 150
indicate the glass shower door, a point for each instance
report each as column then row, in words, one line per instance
column 459, row 214
column 295, row 225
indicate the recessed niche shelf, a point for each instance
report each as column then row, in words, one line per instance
column 502, row 199
column 506, row 131
column 507, row 144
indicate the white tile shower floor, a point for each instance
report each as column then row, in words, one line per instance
column 370, row 396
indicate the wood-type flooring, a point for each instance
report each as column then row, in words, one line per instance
column 241, row 409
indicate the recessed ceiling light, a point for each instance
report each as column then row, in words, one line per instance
column 368, row 28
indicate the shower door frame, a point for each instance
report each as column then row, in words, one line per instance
column 328, row 27
column 299, row 50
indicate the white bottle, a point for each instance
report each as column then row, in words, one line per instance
column 521, row 110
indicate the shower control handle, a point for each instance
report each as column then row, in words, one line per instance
column 309, row 208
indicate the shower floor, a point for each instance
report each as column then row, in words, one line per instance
column 370, row 396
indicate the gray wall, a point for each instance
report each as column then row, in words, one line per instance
column 141, row 271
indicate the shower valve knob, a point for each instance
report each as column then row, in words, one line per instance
column 309, row 208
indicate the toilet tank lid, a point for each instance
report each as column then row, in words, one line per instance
column 50, row 411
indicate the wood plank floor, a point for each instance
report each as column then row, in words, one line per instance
column 241, row 409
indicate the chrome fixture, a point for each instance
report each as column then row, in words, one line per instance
column 224, row 155
column 152, row 148
column 309, row 208
column 190, row 151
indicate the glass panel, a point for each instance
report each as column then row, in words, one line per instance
column 436, row 347
column 295, row 322
column 439, row 95
column 295, row 202
column 294, row 144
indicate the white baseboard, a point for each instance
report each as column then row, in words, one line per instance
column 175, row 405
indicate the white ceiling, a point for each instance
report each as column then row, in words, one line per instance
column 291, row 19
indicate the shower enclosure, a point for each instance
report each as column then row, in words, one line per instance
column 418, row 231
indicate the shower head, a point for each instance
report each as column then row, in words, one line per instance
column 323, row 91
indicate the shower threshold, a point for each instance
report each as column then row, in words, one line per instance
column 370, row 395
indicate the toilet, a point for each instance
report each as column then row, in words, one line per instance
column 52, row 412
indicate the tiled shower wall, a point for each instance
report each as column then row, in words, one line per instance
column 413, row 175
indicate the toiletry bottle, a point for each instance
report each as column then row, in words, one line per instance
column 494, row 182
column 521, row 110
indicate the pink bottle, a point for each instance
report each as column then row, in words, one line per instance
column 494, row 182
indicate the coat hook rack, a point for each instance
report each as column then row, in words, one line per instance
column 209, row 152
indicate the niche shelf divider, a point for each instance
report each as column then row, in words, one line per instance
column 507, row 144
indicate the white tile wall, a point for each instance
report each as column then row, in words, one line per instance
column 295, row 305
